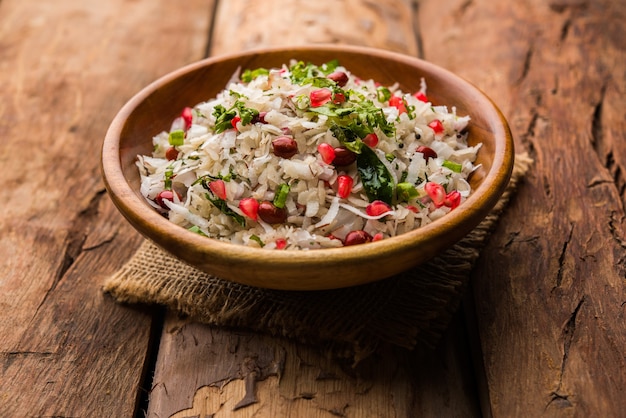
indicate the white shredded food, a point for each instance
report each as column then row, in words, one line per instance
column 308, row 157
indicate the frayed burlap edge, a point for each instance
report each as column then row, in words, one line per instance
column 407, row 309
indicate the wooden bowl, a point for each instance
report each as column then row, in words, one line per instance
column 153, row 108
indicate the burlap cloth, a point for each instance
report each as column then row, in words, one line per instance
column 405, row 310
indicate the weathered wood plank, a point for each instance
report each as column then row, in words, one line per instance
column 245, row 24
column 203, row 371
column 549, row 290
column 65, row 69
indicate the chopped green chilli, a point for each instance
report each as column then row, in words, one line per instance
column 309, row 156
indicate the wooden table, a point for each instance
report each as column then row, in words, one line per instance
column 542, row 332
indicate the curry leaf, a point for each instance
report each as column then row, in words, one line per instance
column 377, row 181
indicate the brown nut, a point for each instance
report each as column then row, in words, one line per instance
column 271, row 214
column 285, row 147
column 343, row 157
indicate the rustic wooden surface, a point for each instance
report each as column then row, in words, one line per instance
column 548, row 292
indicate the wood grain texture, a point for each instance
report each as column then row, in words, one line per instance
column 65, row 69
column 245, row 24
column 247, row 375
column 549, row 290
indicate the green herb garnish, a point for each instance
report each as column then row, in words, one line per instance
column 223, row 207
column 249, row 75
column 224, row 117
column 303, row 74
column 280, row 198
column 406, row 191
column 258, row 240
column 377, row 181
column 383, row 94
column 168, row 175
column 176, row 137
column 197, row 230
column 456, row 167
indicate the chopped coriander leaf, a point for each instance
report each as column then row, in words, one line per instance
column 236, row 94
column 303, row 74
column 223, row 207
column 204, row 180
column 321, row 82
column 347, row 138
column 223, row 118
column 249, row 75
column 330, row 66
column 247, row 114
column 357, row 120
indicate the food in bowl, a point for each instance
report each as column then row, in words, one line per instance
column 154, row 107
column 307, row 156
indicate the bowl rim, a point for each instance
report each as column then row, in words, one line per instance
column 135, row 209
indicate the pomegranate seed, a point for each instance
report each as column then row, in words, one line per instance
column 271, row 214
column 453, row 199
column 377, row 207
column 436, row 192
column 339, row 98
column 285, row 147
column 187, row 116
column 436, row 126
column 343, row 157
column 339, row 77
column 421, row 97
column 344, row 185
column 165, row 195
column 281, row 243
column 218, row 187
column 398, row 103
column 171, row 153
column 371, row 140
column 250, row 207
column 234, row 121
column 427, row 151
column 320, row 97
column 327, row 152
column 377, row 237
column 356, row 238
